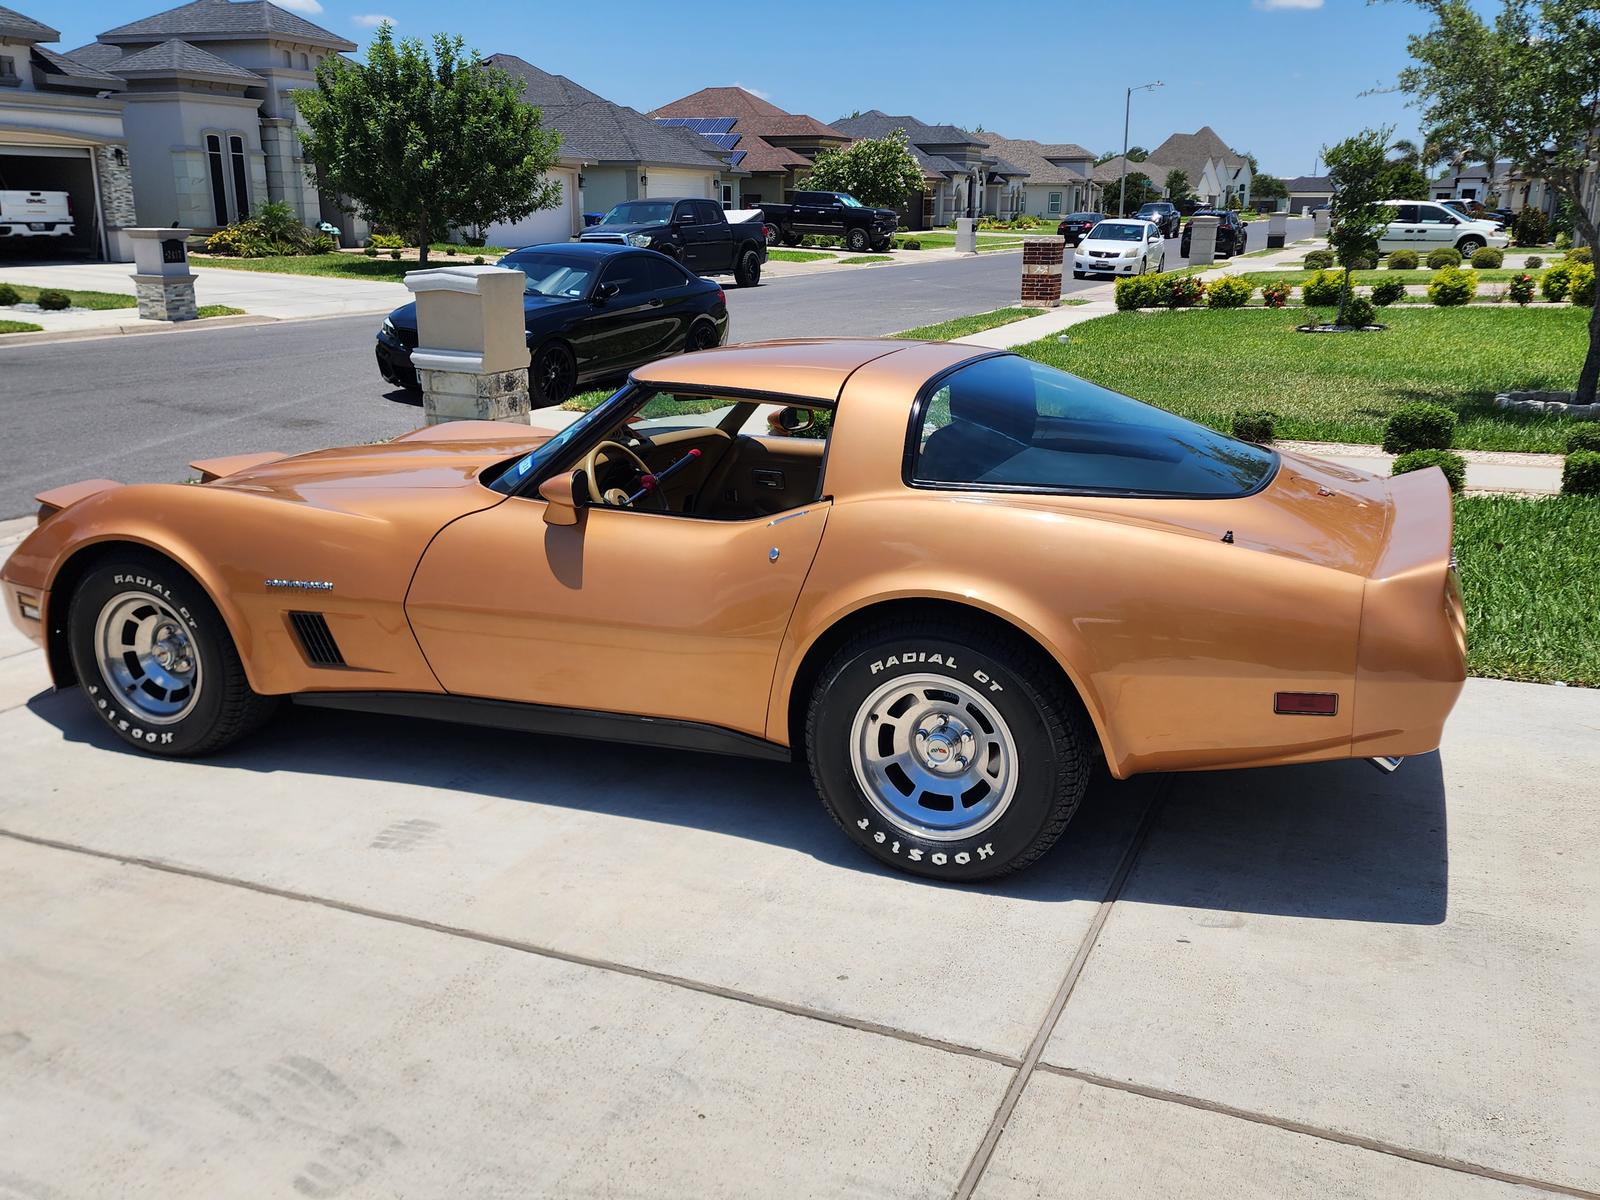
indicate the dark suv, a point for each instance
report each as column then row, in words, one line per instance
column 1231, row 232
column 1163, row 214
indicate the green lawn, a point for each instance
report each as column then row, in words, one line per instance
column 350, row 266
column 468, row 251
column 1529, row 572
column 218, row 310
column 945, row 331
column 1420, row 276
column 659, row 407
column 1336, row 387
column 19, row 327
column 100, row 300
column 867, row 258
column 774, row 254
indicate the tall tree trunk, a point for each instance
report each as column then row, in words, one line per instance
column 1583, row 222
column 423, row 238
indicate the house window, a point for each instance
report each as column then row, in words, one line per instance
column 241, row 186
column 287, row 60
column 305, row 63
column 219, row 185
column 8, row 71
column 1055, row 203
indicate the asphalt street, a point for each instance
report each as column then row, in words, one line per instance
column 140, row 408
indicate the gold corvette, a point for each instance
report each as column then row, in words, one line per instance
column 950, row 577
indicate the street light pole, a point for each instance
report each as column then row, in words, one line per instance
column 1127, row 110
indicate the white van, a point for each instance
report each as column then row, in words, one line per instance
column 1423, row 226
column 35, row 214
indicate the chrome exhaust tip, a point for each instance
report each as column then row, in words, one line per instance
column 1386, row 764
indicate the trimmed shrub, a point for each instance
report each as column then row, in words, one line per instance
column 1386, row 291
column 1322, row 289
column 1583, row 437
column 1562, row 241
column 1419, row 426
column 1402, row 260
column 1229, row 292
column 52, row 300
column 322, row 243
column 1136, row 291
column 1358, row 263
column 909, row 244
column 477, row 260
column 395, row 254
column 371, row 252
column 1533, row 262
column 1180, row 291
column 1581, row 288
column 1521, row 288
column 1253, row 426
column 1358, row 314
column 1443, row 256
column 1452, row 287
column 1319, row 260
column 1580, row 474
column 9, row 296
column 1276, row 294
column 1531, row 228
column 1487, row 258
column 1583, row 254
column 1555, row 281
column 1448, row 461
column 386, row 241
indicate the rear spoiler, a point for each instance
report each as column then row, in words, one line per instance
column 221, row 468
column 53, row 501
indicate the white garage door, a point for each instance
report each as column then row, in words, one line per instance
column 667, row 182
column 550, row 225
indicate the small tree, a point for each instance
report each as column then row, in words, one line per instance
column 426, row 143
column 1177, row 185
column 1527, row 85
column 1268, row 187
column 880, row 172
column 1356, row 173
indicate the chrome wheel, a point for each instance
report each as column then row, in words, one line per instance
column 147, row 657
column 934, row 757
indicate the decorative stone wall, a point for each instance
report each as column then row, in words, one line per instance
column 1547, row 402
column 470, row 396
column 1042, row 257
column 163, row 299
column 116, row 186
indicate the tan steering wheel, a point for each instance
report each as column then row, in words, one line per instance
column 615, row 497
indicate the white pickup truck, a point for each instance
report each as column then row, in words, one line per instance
column 35, row 214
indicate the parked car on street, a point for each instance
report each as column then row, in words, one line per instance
column 1163, row 214
column 591, row 312
column 25, row 214
column 1232, row 235
column 1074, row 226
column 675, row 581
column 694, row 232
column 836, row 214
column 1424, row 225
column 1120, row 247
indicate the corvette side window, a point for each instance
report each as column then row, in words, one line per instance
column 1008, row 423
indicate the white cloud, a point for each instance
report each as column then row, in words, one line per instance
column 369, row 20
column 754, row 91
column 1278, row 5
column 305, row 6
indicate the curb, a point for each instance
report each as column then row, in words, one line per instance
column 47, row 336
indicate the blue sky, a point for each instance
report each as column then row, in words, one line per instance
column 1278, row 78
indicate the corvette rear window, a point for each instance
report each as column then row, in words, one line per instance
column 1008, row 423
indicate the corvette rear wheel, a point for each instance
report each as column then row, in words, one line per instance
column 156, row 661
column 946, row 749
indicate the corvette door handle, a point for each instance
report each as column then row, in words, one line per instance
column 768, row 478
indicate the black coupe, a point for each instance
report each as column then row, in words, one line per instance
column 592, row 312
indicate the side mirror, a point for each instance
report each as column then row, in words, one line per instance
column 560, row 508
column 606, row 291
column 793, row 420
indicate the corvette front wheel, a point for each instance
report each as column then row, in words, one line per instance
column 155, row 660
column 947, row 749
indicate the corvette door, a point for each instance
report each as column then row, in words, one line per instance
column 627, row 611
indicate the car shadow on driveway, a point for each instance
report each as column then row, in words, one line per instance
column 1333, row 841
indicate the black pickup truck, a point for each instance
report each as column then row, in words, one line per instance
column 694, row 232
column 837, row 213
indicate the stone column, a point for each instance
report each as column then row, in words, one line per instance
column 966, row 235
column 1202, row 241
column 115, row 177
column 1041, row 270
column 472, row 348
column 161, row 277
column 1321, row 218
column 1277, row 230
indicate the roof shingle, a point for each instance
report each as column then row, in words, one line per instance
column 876, row 124
column 75, row 73
column 25, row 29
column 753, row 114
column 215, row 20
column 177, row 57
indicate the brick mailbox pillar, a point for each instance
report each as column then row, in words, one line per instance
column 472, row 345
column 162, row 279
column 1203, row 241
column 1041, row 270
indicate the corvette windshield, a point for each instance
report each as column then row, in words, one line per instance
column 639, row 212
column 1116, row 231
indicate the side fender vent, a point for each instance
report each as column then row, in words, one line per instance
column 316, row 639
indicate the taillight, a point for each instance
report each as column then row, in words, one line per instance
column 722, row 297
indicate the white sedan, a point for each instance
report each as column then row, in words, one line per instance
column 1120, row 247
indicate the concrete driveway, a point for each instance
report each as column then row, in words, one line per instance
column 372, row 958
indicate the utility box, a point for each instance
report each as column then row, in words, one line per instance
column 1042, row 257
column 472, row 344
column 162, row 280
column 1202, row 241
column 966, row 235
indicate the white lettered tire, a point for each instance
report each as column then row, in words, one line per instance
column 947, row 748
